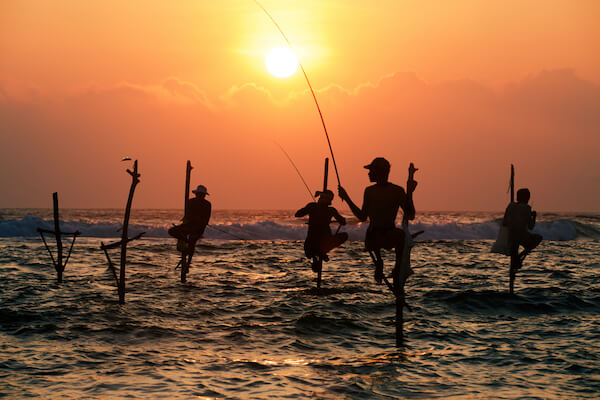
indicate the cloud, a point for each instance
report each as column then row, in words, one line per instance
column 247, row 94
column 462, row 134
column 171, row 90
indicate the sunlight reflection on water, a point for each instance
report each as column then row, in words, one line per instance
column 249, row 324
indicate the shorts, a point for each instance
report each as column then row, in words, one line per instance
column 388, row 238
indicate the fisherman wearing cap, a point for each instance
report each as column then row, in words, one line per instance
column 381, row 202
column 195, row 219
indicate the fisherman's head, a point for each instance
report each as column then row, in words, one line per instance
column 200, row 191
column 379, row 170
column 523, row 195
column 325, row 197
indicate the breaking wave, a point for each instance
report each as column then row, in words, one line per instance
column 557, row 230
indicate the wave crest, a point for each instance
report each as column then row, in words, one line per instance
column 559, row 229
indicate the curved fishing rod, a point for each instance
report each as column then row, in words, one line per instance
column 309, row 86
column 297, row 170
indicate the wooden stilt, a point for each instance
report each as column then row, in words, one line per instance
column 319, row 273
column 512, row 183
column 135, row 179
column 59, row 247
column 325, row 174
column 187, row 254
column 58, row 263
column 397, row 285
column 514, row 258
column 320, row 259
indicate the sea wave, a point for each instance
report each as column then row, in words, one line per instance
column 558, row 230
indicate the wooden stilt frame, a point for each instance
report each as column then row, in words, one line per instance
column 320, row 259
column 188, row 252
column 120, row 280
column 58, row 263
column 396, row 286
column 514, row 261
column 512, row 183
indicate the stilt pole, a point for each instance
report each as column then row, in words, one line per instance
column 325, row 176
column 186, row 256
column 514, row 258
column 57, row 262
column 135, row 179
column 397, row 285
column 512, row 183
column 125, row 239
column 59, row 247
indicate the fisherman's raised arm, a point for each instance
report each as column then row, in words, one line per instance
column 341, row 220
column 408, row 207
column 358, row 213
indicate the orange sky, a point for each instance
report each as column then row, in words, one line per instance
column 461, row 88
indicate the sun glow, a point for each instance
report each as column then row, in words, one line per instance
column 281, row 62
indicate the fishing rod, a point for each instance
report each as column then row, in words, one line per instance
column 297, row 170
column 309, row 86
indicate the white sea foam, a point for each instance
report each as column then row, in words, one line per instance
column 559, row 229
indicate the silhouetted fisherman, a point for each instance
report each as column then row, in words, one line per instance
column 319, row 239
column 380, row 205
column 519, row 218
column 195, row 220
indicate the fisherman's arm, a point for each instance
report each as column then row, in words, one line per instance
column 341, row 220
column 532, row 217
column 303, row 211
column 359, row 213
column 205, row 217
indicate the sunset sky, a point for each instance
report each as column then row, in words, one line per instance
column 461, row 88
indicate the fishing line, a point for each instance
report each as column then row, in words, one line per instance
column 225, row 232
column 297, row 171
column 309, row 86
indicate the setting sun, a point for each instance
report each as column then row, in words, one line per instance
column 281, row 62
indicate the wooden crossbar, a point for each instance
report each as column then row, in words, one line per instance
column 76, row 233
column 114, row 245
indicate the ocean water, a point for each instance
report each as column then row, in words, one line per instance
column 250, row 324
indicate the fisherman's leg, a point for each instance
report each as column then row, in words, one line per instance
column 515, row 264
column 189, row 253
column 531, row 242
column 378, row 266
column 317, row 264
column 178, row 232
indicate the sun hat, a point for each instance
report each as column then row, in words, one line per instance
column 200, row 189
